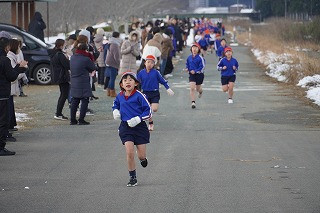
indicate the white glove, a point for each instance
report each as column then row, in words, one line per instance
column 134, row 121
column 170, row 92
column 116, row 114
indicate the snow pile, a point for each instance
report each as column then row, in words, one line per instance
column 312, row 83
column 52, row 39
column 277, row 64
column 21, row 117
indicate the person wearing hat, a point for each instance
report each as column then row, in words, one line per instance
column 132, row 108
column 150, row 79
column 69, row 45
column 217, row 43
column 195, row 66
column 228, row 67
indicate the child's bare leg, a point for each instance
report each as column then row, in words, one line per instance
column 130, row 155
column 225, row 88
column 192, row 91
column 230, row 91
column 141, row 151
column 199, row 88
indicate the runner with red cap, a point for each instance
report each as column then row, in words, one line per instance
column 228, row 67
column 150, row 79
column 195, row 66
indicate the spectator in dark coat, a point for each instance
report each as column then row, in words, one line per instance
column 7, row 75
column 60, row 75
column 36, row 26
column 82, row 67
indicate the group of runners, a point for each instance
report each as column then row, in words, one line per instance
column 135, row 108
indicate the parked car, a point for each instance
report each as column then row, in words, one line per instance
column 35, row 52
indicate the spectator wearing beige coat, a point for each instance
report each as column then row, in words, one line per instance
column 129, row 51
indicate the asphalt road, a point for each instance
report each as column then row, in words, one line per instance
column 260, row 154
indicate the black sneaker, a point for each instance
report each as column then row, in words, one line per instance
column 5, row 152
column 144, row 163
column 75, row 122
column 132, row 182
column 60, row 117
column 10, row 138
column 13, row 129
column 83, row 122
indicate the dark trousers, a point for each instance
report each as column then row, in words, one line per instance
column 101, row 75
column 64, row 92
column 11, row 113
column 112, row 73
column 83, row 109
column 3, row 122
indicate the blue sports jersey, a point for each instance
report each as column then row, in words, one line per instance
column 203, row 42
column 150, row 81
column 134, row 105
column 229, row 64
column 196, row 63
column 220, row 51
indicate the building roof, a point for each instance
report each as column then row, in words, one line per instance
column 1, row 1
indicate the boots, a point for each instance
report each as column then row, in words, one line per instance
column 113, row 93
column 108, row 92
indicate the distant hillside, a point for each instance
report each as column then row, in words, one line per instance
column 78, row 13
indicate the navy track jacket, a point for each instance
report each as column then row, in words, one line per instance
column 150, row 81
column 196, row 63
column 134, row 105
column 229, row 64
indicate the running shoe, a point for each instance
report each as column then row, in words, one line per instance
column 230, row 101
column 60, row 117
column 144, row 163
column 193, row 105
column 132, row 182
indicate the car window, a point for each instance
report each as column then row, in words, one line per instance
column 31, row 45
column 15, row 35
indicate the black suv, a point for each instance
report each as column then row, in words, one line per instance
column 34, row 51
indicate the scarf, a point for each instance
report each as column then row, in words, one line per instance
column 85, row 53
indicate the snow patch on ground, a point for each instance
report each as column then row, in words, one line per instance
column 277, row 64
column 21, row 117
column 312, row 83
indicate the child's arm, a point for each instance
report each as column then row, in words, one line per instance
column 220, row 65
column 165, row 84
column 116, row 109
column 146, row 112
column 162, row 81
column 236, row 66
column 201, row 65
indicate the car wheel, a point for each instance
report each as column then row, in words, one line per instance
column 42, row 74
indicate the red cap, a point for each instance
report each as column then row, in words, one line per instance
column 151, row 57
column 196, row 44
column 217, row 34
column 227, row 49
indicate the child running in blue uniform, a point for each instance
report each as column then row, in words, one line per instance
column 195, row 66
column 228, row 67
column 150, row 79
column 220, row 51
column 132, row 108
